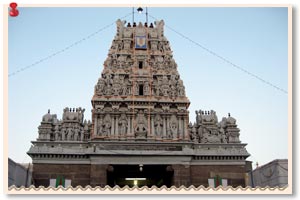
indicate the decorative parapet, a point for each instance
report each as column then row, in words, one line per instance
column 208, row 130
column 70, row 128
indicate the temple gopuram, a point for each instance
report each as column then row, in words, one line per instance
column 140, row 133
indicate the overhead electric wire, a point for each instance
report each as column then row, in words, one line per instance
column 224, row 59
column 172, row 29
column 66, row 48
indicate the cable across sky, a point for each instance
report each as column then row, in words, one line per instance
column 172, row 29
column 224, row 59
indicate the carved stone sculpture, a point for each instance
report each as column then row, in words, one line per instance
column 57, row 132
column 99, row 126
column 49, row 118
column 76, row 133
column 123, row 125
column 69, row 133
column 160, row 28
column 174, row 126
column 120, row 28
column 141, row 126
column 158, row 124
column 165, row 86
column 107, row 125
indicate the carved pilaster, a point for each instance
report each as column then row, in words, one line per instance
column 112, row 134
column 180, row 130
column 152, row 126
column 117, row 127
column 185, row 128
column 130, row 134
column 164, row 127
column 128, row 125
column 95, row 126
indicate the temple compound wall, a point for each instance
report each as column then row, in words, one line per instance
column 140, row 119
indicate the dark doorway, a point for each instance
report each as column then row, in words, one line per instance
column 140, row 64
column 132, row 175
column 141, row 90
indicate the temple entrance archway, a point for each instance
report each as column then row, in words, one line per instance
column 140, row 175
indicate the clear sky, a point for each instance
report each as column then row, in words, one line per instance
column 253, row 38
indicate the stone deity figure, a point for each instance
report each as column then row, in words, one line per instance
column 76, row 134
column 129, row 61
column 57, row 132
column 173, row 90
column 66, row 112
column 222, row 136
column 141, row 128
column 136, row 88
column 123, row 125
column 153, row 45
column 100, row 127
column 214, row 115
column 120, row 28
column 160, row 63
column 106, row 129
column 63, row 134
column 116, row 85
column 174, row 130
column 69, row 133
column 146, row 89
column 108, row 81
column 234, row 137
column 194, row 133
column 100, row 86
column 167, row 46
column 124, row 86
column 120, row 45
column 197, row 117
column 127, row 44
column 165, row 86
column 80, row 114
column 161, row 47
column 127, row 32
column 205, row 136
column 160, row 28
column 180, row 88
column 158, row 124
column 81, row 130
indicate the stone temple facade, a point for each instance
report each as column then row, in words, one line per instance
column 140, row 132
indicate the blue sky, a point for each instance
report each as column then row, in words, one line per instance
column 253, row 38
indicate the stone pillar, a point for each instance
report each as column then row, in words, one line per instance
column 180, row 131
column 130, row 134
column 128, row 125
column 152, row 126
column 168, row 125
column 185, row 128
column 164, row 127
column 102, row 120
column 182, row 175
column 112, row 127
column 98, row 175
column 117, row 127
column 148, row 126
column 95, row 125
column 132, row 125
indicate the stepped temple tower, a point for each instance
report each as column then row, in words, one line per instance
column 140, row 133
